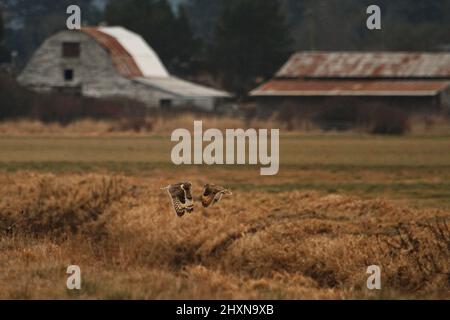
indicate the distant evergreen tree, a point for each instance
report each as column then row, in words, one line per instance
column 188, row 47
column 4, row 53
column 1, row 25
column 252, row 41
column 204, row 15
column 170, row 36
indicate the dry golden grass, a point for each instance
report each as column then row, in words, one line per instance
column 34, row 127
column 255, row 245
column 157, row 125
column 165, row 124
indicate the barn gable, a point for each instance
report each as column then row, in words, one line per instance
column 132, row 56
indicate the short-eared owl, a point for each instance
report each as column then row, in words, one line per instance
column 181, row 197
column 213, row 194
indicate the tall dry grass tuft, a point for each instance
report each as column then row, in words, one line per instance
column 47, row 205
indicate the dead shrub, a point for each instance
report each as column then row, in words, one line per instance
column 391, row 121
column 344, row 116
column 135, row 124
column 416, row 255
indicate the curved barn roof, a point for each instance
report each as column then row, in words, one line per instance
column 131, row 55
column 136, row 60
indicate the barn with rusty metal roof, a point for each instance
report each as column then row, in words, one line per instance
column 416, row 82
column 113, row 61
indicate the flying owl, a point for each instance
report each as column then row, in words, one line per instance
column 213, row 194
column 181, row 197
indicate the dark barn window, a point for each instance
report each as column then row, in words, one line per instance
column 68, row 74
column 71, row 49
column 165, row 103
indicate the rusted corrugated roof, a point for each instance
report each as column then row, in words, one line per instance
column 143, row 55
column 121, row 58
column 366, row 65
column 299, row 87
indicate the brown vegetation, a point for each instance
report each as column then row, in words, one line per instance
column 160, row 124
column 129, row 244
column 156, row 125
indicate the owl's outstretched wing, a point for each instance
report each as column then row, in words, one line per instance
column 178, row 196
column 213, row 194
column 179, row 208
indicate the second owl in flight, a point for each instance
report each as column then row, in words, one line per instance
column 212, row 194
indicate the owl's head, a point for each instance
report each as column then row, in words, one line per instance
column 187, row 188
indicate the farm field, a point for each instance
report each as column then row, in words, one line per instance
column 339, row 204
column 416, row 169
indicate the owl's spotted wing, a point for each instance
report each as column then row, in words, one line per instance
column 179, row 208
column 180, row 195
column 213, row 194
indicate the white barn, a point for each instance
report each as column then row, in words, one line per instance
column 112, row 61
